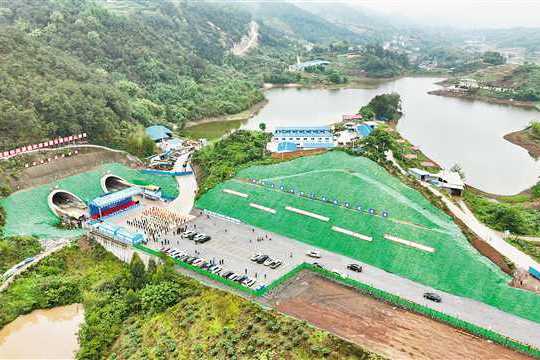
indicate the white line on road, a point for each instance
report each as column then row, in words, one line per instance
column 352, row 233
column 307, row 213
column 409, row 243
column 236, row 193
column 263, row 208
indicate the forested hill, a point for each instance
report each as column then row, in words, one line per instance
column 107, row 66
column 100, row 67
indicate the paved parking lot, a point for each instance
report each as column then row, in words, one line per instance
column 235, row 243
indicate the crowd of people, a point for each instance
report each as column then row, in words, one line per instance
column 158, row 223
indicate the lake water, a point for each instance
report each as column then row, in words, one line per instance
column 447, row 130
column 43, row 334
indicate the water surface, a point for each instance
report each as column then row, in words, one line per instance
column 448, row 130
column 43, row 334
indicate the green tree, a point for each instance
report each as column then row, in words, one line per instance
column 262, row 126
column 535, row 190
column 384, row 107
column 493, row 58
column 140, row 144
column 137, row 271
column 535, row 129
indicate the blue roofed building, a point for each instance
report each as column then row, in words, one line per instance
column 364, row 130
column 159, row 133
column 301, row 138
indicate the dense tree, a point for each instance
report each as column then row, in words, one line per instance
column 384, row 107
column 140, row 144
column 138, row 272
column 493, row 58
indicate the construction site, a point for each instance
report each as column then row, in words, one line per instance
column 335, row 207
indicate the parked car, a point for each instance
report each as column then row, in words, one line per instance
column 197, row 261
column 262, row 259
column 187, row 234
column 241, row 278
column 234, row 276
column 314, row 254
column 250, row 282
column 255, row 257
column 354, row 267
column 276, row 264
column 202, row 239
column 433, row 297
column 268, row 261
column 199, row 236
column 226, row 274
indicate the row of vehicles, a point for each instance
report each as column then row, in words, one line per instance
column 266, row 260
column 210, row 266
column 198, row 238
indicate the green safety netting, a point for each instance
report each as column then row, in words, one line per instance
column 455, row 266
column 27, row 211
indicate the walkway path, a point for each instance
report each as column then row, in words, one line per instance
column 49, row 249
column 492, row 237
column 187, row 187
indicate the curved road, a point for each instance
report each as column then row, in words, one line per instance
column 492, row 237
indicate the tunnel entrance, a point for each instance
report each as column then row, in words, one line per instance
column 112, row 183
column 66, row 204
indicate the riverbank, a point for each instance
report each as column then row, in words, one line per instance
column 526, row 140
column 239, row 118
column 43, row 334
column 491, row 100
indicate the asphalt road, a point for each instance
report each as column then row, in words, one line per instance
column 236, row 243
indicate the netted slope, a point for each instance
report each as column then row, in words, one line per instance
column 455, row 266
column 27, row 212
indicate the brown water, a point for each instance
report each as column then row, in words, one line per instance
column 43, row 334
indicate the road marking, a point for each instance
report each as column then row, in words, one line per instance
column 352, row 233
column 307, row 213
column 409, row 243
column 263, row 208
column 236, row 193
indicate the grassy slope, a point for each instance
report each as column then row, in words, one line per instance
column 455, row 266
column 28, row 213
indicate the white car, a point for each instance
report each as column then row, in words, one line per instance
column 268, row 262
column 314, row 254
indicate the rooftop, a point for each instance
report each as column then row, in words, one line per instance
column 116, row 196
column 158, row 132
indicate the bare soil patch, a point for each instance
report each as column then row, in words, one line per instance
column 524, row 139
column 463, row 95
column 378, row 326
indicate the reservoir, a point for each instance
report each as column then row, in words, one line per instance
column 43, row 334
column 448, row 130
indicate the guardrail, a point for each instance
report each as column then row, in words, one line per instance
column 167, row 173
column 367, row 290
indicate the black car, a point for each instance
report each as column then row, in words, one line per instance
column 226, row 274
column 354, row 267
column 262, row 259
column 433, row 297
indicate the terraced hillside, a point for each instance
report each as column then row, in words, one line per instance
column 27, row 212
column 416, row 240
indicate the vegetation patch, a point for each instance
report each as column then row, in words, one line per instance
column 131, row 311
column 14, row 249
column 454, row 266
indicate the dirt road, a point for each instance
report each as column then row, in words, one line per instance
column 380, row 327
